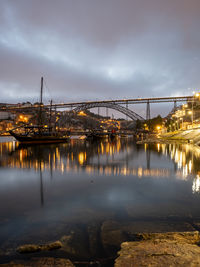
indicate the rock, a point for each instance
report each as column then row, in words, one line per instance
column 52, row 246
column 181, row 237
column 166, row 249
column 38, row 262
column 113, row 233
column 30, row 248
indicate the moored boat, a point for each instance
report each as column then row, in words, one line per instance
column 39, row 134
column 36, row 138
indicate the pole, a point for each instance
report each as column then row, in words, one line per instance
column 40, row 107
column 41, row 91
column 55, row 118
column 50, row 115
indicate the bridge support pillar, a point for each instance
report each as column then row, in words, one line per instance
column 175, row 106
column 148, row 115
column 126, row 108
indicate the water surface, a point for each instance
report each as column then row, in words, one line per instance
column 95, row 195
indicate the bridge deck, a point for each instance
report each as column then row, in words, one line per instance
column 117, row 101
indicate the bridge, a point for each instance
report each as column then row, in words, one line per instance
column 124, row 110
column 121, row 105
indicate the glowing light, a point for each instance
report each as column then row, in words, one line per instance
column 81, row 113
column 140, row 172
column 158, row 127
column 196, row 185
column 145, row 147
column 190, row 166
column 158, row 147
column 185, row 171
column 81, row 158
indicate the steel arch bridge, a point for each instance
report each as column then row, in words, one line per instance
column 129, row 113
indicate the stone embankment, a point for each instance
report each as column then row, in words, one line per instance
column 191, row 136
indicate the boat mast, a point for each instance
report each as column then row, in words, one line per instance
column 50, row 115
column 41, row 91
column 40, row 109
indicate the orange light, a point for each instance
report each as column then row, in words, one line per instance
column 158, row 127
column 81, row 113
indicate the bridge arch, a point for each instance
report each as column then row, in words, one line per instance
column 129, row 113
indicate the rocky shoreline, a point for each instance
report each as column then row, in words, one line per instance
column 147, row 249
column 142, row 242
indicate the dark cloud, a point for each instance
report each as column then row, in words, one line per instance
column 98, row 49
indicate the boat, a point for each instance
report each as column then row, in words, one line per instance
column 32, row 135
column 39, row 134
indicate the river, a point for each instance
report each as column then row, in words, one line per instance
column 94, row 195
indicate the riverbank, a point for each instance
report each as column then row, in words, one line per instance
column 191, row 136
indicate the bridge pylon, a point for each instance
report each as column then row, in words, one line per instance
column 148, row 114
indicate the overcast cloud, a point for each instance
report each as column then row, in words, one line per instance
column 98, row 49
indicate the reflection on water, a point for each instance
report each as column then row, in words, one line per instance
column 104, row 158
column 196, row 184
column 53, row 190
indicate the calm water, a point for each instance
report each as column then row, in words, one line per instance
column 94, row 195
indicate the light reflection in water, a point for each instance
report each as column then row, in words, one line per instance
column 196, row 184
column 103, row 158
column 78, row 185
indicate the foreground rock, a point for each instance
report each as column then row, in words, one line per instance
column 162, row 249
column 30, row 248
column 113, row 233
column 38, row 262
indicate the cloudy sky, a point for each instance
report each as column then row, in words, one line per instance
column 98, row 49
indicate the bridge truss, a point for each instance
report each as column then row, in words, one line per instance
column 116, row 104
column 129, row 113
